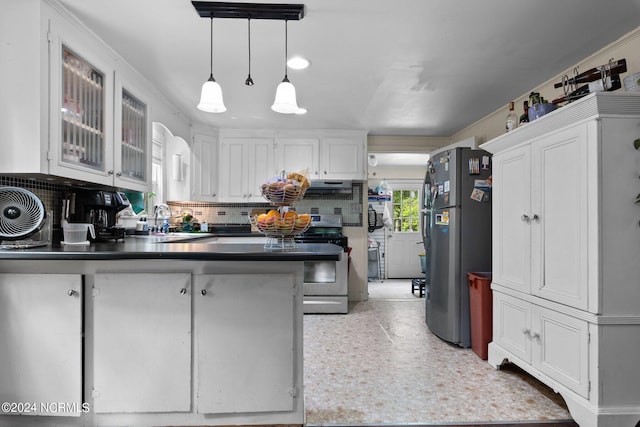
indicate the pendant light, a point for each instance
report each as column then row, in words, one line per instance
column 211, row 95
column 249, row 81
column 285, row 101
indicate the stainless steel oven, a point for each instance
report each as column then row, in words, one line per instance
column 326, row 282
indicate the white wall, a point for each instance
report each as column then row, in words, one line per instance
column 491, row 126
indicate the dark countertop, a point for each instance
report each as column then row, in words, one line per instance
column 180, row 249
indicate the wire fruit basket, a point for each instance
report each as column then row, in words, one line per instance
column 285, row 190
column 275, row 225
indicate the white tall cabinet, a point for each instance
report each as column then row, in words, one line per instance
column 566, row 239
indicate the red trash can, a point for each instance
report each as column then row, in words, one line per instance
column 481, row 316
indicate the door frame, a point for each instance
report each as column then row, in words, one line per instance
column 403, row 184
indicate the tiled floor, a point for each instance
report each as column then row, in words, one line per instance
column 380, row 364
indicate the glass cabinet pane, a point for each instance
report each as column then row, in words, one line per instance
column 82, row 109
column 134, row 137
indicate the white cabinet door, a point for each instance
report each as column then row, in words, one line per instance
column 234, row 165
column 511, row 325
column 204, row 167
column 559, row 227
column 342, row 158
column 245, row 163
column 260, row 152
column 142, row 342
column 265, row 380
column 561, row 348
column 297, row 154
column 42, row 320
column 511, row 219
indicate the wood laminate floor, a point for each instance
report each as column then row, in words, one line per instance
column 380, row 365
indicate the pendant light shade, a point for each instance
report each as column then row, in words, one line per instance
column 211, row 95
column 285, row 101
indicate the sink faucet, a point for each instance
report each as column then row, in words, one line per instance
column 161, row 209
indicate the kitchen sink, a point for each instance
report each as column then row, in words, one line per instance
column 170, row 237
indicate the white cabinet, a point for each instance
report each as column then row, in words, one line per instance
column 565, row 246
column 343, row 157
column 297, row 154
column 204, row 167
column 245, row 163
column 265, row 379
column 91, row 112
column 41, row 332
column 142, row 326
column 552, row 342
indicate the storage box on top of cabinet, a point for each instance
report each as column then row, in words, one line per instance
column 565, row 246
column 77, row 110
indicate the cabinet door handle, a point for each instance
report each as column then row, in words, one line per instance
column 535, row 336
column 183, row 291
column 535, row 217
column 119, row 174
column 203, row 292
column 527, row 332
column 110, row 172
column 72, row 292
column 525, row 218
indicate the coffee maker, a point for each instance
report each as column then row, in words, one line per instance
column 99, row 208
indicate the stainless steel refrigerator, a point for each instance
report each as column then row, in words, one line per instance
column 456, row 227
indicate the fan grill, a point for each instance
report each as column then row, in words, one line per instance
column 21, row 213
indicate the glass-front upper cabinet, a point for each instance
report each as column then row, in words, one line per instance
column 132, row 147
column 100, row 123
column 82, row 118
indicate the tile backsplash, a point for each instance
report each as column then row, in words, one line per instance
column 50, row 193
column 348, row 205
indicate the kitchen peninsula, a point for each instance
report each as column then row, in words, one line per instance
column 153, row 333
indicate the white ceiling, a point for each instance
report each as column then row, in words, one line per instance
column 392, row 67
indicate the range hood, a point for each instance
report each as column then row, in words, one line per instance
column 329, row 187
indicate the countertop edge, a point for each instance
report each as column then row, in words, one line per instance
column 179, row 251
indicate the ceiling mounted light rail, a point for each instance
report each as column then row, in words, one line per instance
column 285, row 100
column 273, row 11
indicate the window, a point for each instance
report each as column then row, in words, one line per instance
column 406, row 210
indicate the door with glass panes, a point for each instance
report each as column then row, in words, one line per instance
column 404, row 240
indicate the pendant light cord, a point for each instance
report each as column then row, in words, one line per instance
column 286, row 42
column 249, row 37
column 211, row 57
